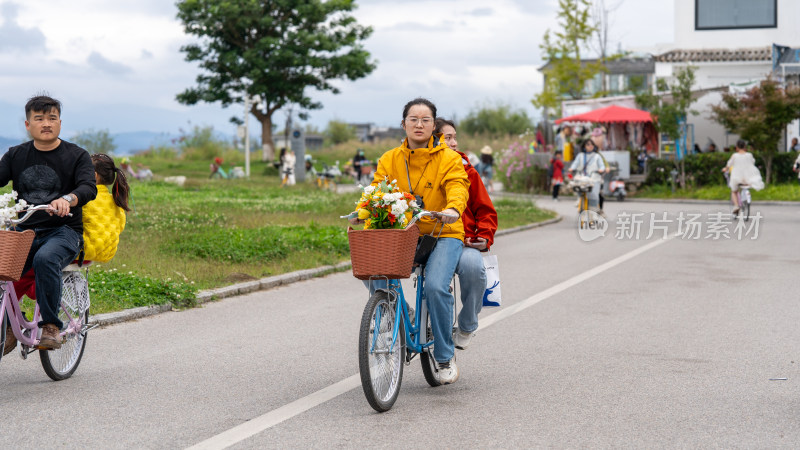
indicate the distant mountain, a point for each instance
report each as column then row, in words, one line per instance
column 134, row 142
column 128, row 143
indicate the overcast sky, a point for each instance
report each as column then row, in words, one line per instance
column 116, row 65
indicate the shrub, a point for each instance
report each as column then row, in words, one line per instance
column 705, row 169
column 201, row 144
column 500, row 119
column 518, row 172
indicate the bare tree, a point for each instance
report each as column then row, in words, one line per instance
column 599, row 43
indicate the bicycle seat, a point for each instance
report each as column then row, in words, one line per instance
column 74, row 267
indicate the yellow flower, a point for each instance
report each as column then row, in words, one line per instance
column 363, row 213
column 367, row 224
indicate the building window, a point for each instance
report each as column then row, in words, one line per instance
column 726, row 14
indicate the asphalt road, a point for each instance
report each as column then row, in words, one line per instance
column 619, row 342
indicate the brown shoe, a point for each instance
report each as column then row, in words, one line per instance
column 11, row 341
column 50, row 337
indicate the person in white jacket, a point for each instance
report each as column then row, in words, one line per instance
column 590, row 164
column 741, row 168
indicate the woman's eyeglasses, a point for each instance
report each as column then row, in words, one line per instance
column 415, row 120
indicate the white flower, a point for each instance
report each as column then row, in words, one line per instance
column 414, row 204
column 369, row 190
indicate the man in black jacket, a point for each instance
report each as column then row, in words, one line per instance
column 48, row 170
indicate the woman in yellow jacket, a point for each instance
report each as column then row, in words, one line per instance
column 104, row 217
column 425, row 167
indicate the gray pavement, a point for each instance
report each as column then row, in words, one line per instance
column 612, row 343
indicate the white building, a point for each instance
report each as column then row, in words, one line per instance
column 730, row 43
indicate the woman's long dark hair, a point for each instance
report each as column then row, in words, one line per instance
column 109, row 173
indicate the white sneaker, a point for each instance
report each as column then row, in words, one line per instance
column 461, row 339
column 448, row 372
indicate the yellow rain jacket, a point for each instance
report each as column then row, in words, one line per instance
column 103, row 221
column 435, row 174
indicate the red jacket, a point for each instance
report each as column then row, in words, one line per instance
column 479, row 217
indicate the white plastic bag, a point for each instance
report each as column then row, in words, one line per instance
column 491, row 297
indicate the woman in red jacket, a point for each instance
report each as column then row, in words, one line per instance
column 480, row 223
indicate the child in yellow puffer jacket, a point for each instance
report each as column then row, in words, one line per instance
column 104, row 217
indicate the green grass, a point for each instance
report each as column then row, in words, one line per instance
column 212, row 233
column 773, row 192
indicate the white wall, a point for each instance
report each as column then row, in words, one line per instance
column 711, row 74
column 787, row 32
column 704, row 127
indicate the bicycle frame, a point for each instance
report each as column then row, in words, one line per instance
column 10, row 307
column 743, row 194
column 413, row 331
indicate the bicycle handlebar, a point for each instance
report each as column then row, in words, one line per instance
column 29, row 212
column 422, row 213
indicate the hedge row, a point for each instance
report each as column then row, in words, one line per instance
column 705, row 169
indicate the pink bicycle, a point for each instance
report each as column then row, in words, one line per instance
column 59, row 364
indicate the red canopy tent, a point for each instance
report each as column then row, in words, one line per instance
column 610, row 114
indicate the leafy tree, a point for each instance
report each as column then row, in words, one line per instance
column 95, row 141
column 500, row 119
column 274, row 49
column 759, row 116
column 338, row 132
column 669, row 116
column 565, row 75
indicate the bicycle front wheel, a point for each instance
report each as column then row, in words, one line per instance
column 60, row 364
column 380, row 359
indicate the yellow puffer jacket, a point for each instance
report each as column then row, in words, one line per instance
column 103, row 221
column 437, row 175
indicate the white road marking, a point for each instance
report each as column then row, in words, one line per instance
column 299, row 406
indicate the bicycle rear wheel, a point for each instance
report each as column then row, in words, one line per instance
column 426, row 357
column 60, row 364
column 380, row 363
column 745, row 212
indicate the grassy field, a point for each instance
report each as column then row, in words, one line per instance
column 774, row 192
column 212, row 233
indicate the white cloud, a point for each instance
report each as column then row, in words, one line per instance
column 123, row 58
column 16, row 38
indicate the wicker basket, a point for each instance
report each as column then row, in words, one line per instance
column 14, row 248
column 388, row 253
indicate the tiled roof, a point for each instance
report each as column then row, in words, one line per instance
column 716, row 55
column 635, row 65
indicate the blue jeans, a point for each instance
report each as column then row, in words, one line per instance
column 472, row 279
column 439, row 271
column 52, row 250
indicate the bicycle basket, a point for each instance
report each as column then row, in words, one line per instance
column 388, row 253
column 14, row 248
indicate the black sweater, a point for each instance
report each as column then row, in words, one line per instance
column 39, row 177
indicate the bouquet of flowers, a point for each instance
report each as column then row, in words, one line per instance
column 385, row 207
column 9, row 209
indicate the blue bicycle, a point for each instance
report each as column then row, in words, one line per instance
column 391, row 335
